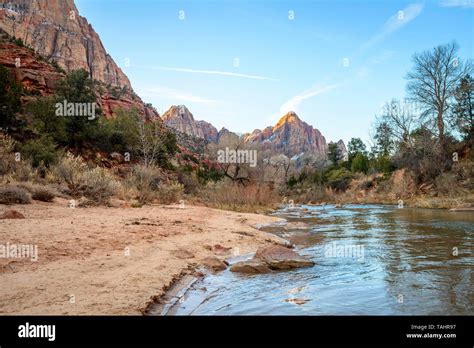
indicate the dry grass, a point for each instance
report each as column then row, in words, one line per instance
column 233, row 196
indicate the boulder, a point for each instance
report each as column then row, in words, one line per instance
column 250, row 267
column 278, row 258
column 214, row 264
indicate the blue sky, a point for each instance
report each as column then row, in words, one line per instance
column 243, row 64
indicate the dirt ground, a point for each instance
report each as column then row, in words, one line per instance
column 113, row 261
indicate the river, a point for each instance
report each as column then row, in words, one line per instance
column 370, row 260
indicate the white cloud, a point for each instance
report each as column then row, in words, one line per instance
column 173, row 94
column 294, row 103
column 394, row 23
column 457, row 3
column 213, row 72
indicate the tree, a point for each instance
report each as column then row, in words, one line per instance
column 433, row 81
column 334, row 153
column 360, row 163
column 400, row 120
column 77, row 87
column 463, row 109
column 10, row 103
column 43, row 120
column 155, row 143
column 384, row 143
column 355, row 146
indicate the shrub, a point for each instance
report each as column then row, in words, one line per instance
column 70, row 170
column 170, row 193
column 40, row 151
column 447, row 184
column 43, row 194
column 339, row 179
column 97, row 185
column 7, row 157
column 360, row 163
column 145, row 180
column 14, row 195
column 226, row 194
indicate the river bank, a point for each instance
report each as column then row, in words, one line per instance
column 369, row 260
column 114, row 261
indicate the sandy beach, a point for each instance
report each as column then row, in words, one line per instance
column 114, row 261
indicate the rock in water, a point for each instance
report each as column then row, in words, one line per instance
column 214, row 264
column 278, row 257
column 250, row 267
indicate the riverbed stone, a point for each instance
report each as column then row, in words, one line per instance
column 252, row 266
column 214, row 264
column 280, row 258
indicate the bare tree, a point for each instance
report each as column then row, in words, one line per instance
column 400, row 118
column 433, row 81
column 150, row 141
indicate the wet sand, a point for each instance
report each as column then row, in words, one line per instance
column 114, row 261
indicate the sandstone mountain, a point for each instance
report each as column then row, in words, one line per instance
column 55, row 30
column 342, row 149
column 182, row 120
column 290, row 136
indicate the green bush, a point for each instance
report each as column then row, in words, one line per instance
column 360, row 163
column 40, row 151
column 339, row 179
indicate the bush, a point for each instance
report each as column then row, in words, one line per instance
column 339, row 179
column 43, row 194
column 70, row 170
column 14, row 195
column 170, row 193
column 97, row 185
column 447, row 184
column 145, row 180
column 40, row 151
column 229, row 195
column 7, row 157
column 360, row 163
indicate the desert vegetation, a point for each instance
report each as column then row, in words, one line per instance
column 421, row 151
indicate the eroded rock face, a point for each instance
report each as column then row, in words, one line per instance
column 290, row 136
column 182, row 120
column 280, row 258
column 54, row 29
column 39, row 78
column 35, row 75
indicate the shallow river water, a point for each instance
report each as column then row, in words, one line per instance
column 370, row 260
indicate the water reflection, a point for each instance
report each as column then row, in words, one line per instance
column 410, row 266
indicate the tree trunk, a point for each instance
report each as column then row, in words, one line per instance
column 440, row 124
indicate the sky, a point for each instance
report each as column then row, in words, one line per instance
column 243, row 64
